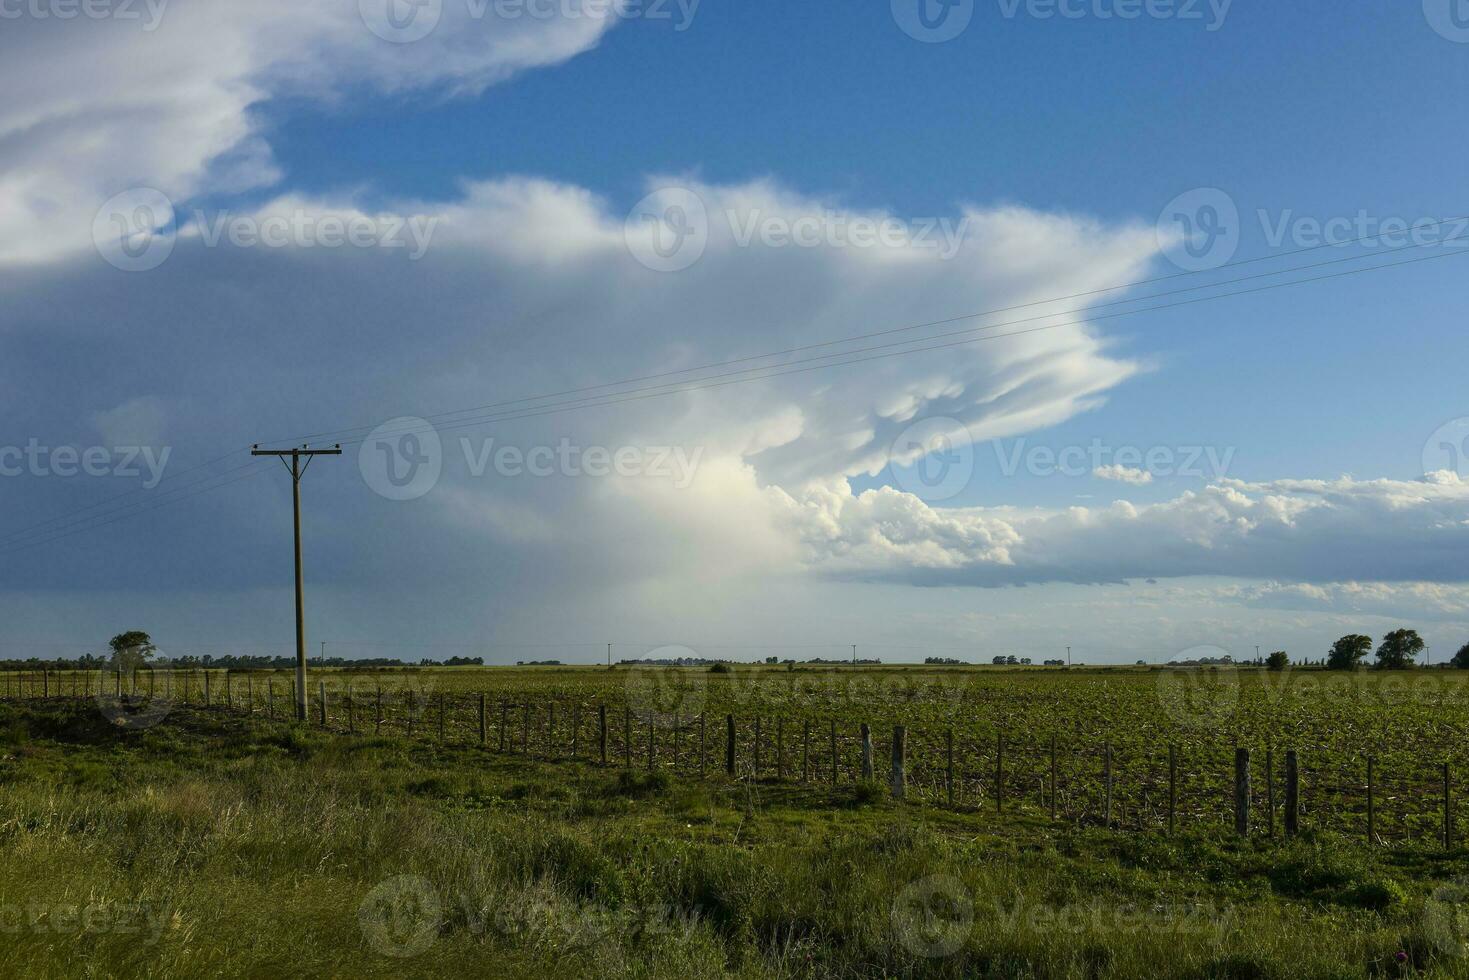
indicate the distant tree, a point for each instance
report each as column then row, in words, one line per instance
column 1399, row 650
column 1348, row 652
column 131, row 650
column 1461, row 659
column 998, row 661
column 1279, row 660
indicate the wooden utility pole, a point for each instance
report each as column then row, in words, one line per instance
column 298, row 469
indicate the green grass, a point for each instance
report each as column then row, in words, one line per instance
column 224, row 846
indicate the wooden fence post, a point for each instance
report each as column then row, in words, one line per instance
column 377, row 722
column 866, row 752
column 833, row 753
column 780, row 749
column 1292, row 793
column 757, row 747
column 999, row 772
column 650, row 741
column 949, row 765
column 702, row 753
column 806, row 751
column 627, row 738
column 897, row 777
column 482, row 732
column 504, row 724
column 525, row 729
column 1270, row 790
column 1371, row 802
column 1448, row 813
column 206, row 689
column 1107, row 783
column 1242, row 791
column 575, row 729
column 320, row 698
column 1053, row 778
column 1172, row 787
column 228, row 700
column 270, row 694
column 602, row 731
column 351, row 712
column 729, row 745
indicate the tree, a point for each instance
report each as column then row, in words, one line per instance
column 1279, row 660
column 1399, row 650
column 1461, row 659
column 1348, row 652
column 131, row 650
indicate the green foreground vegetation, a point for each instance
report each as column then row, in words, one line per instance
column 222, row 844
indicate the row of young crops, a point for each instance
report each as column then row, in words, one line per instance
column 1132, row 749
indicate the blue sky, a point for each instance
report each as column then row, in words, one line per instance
column 528, row 145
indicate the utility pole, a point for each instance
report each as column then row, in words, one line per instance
column 298, row 470
column 1257, row 653
column 854, row 654
column 609, row 655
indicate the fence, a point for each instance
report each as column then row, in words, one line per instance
column 1246, row 789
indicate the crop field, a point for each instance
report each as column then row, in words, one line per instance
column 1053, row 743
column 1110, row 786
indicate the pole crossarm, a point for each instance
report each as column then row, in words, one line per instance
column 296, row 455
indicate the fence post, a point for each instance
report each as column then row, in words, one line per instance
column 999, row 772
column 866, row 752
column 46, row 683
column 1053, row 778
column 780, row 749
column 702, row 753
column 757, row 748
column 504, row 724
column 525, row 719
column 482, row 732
column 1448, row 813
column 729, row 744
column 897, row 776
column 351, row 711
column 1172, row 787
column 1270, row 789
column 627, row 738
column 806, row 753
column 833, row 753
column 1292, row 793
column 602, row 731
column 1371, row 803
column 1242, row 791
column 206, row 689
column 575, row 729
column 377, row 724
column 270, row 696
column 949, row 765
column 320, row 698
column 650, row 741
column 1107, row 783
column 228, row 700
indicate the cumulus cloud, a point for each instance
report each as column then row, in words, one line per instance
column 1123, row 474
column 93, row 107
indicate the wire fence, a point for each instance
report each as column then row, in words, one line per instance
column 1078, row 780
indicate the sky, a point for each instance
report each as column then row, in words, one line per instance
column 968, row 328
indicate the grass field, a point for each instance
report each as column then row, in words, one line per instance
column 216, row 841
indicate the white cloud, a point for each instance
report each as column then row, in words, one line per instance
column 96, row 107
column 1123, row 474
